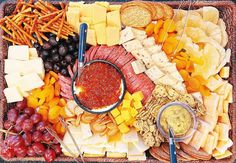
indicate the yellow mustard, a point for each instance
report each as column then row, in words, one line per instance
column 176, row 117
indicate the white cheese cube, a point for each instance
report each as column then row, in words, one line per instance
column 30, row 81
column 132, row 45
column 138, row 66
column 36, row 66
column 131, row 136
column 148, row 42
column 12, row 79
column 154, row 73
column 33, row 53
column 14, row 66
column 126, row 35
column 18, row 52
column 85, row 128
column 12, row 94
column 198, row 96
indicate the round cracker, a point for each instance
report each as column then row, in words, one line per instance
column 159, row 11
column 136, row 16
column 168, row 11
column 152, row 8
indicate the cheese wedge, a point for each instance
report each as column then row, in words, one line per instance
column 12, row 95
column 18, row 52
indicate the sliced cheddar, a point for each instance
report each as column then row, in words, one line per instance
column 100, row 30
column 112, row 35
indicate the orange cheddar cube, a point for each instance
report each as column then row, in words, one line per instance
column 125, row 114
column 133, row 112
column 128, row 96
column 130, row 122
column 115, row 112
column 137, row 96
column 137, row 104
column 119, row 119
column 123, row 128
column 126, row 104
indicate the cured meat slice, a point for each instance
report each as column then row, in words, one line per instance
column 70, row 71
column 93, row 52
column 107, row 52
column 123, row 59
column 64, row 79
column 115, row 54
column 87, row 53
column 100, row 52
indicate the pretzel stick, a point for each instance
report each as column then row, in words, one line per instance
column 34, row 23
column 39, row 38
column 53, row 20
column 28, row 41
column 49, row 15
column 43, row 36
column 18, row 6
column 37, row 12
column 49, row 5
column 62, row 5
column 6, row 30
column 10, row 40
column 22, row 31
column 42, row 8
column 61, row 25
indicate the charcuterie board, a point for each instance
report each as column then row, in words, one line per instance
column 144, row 81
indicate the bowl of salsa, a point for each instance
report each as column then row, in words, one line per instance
column 99, row 88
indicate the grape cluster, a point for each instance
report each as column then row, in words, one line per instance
column 33, row 138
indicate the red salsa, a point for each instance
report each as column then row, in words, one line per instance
column 100, row 85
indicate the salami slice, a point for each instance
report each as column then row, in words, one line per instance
column 93, row 52
column 115, row 54
column 100, row 52
column 123, row 59
column 107, row 52
column 88, row 53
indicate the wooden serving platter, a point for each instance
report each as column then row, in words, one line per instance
column 227, row 12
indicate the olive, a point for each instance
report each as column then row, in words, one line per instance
column 62, row 50
column 44, row 54
column 64, row 72
column 53, row 41
column 56, row 67
column 55, row 57
column 68, row 58
column 76, row 38
column 69, row 40
column 71, row 47
column 36, row 45
column 63, row 63
column 48, row 65
column 46, row 45
column 54, row 51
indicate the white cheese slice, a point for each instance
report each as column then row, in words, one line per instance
column 18, row 52
column 167, row 80
column 180, row 87
column 126, row 35
column 140, row 144
column 95, row 139
column 133, row 150
column 33, row 53
column 204, row 127
column 132, row 45
column 159, row 58
column 121, row 147
column 177, row 76
column 12, row 79
column 131, row 136
column 211, row 120
column 148, row 42
column 148, row 61
column 12, row 94
column 140, row 53
column 141, row 37
column 92, row 150
column 222, row 146
column 211, row 103
column 138, row 32
column 213, row 83
column 198, row 96
column 137, row 157
column 154, row 49
column 85, row 128
column 154, row 73
column 138, row 66
column 30, row 81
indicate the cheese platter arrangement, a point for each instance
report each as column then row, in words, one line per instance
column 117, row 81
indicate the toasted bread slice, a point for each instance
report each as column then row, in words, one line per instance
column 136, row 16
column 168, row 11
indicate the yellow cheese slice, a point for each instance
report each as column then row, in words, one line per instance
column 225, row 106
column 216, row 137
column 220, row 104
column 213, row 83
column 209, row 144
column 91, row 37
column 224, row 118
column 114, row 7
column 198, row 139
column 113, row 19
column 211, row 103
column 221, row 156
column 100, row 30
column 223, row 130
column 212, row 120
column 98, row 14
column 112, row 35
column 116, row 155
column 222, row 146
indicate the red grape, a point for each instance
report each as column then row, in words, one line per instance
column 37, row 136
column 41, row 126
column 21, row 104
column 36, row 118
column 12, row 115
column 7, row 152
column 31, row 152
column 27, row 125
column 7, row 124
column 49, row 155
column 57, row 149
column 21, row 151
column 17, row 142
column 29, row 111
column 47, row 137
column 9, row 140
column 21, row 118
column 38, row 148
column 17, row 128
column 27, row 138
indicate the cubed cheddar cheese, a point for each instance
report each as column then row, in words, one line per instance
column 130, row 122
column 112, row 35
column 126, row 104
column 114, row 7
column 119, row 119
column 125, row 114
column 86, row 10
column 98, row 14
column 123, row 128
column 133, row 112
column 91, row 37
column 224, row 72
column 100, row 30
column 137, row 96
column 115, row 112
column 72, row 17
column 113, row 19
column 137, row 104
column 128, row 96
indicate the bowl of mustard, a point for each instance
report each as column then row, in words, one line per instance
column 178, row 116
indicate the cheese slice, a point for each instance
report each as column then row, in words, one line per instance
column 95, row 139
column 18, row 52
column 114, row 7
column 72, row 16
column 36, row 66
column 209, row 144
column 133, row 150
column 148, row 42
column 85, row 129
column 100, row 30
column 221, row 89
column 227, row 153
column 131, row 136
column 137, row 157
column 198, row 139
column 213, row 83
column 228, row 91
column 30, row 81
column 220, row 104
column 94, row 155
column 19, row 66
column 198, row 96
column 116, row 155
column 148, row 61
column 126, row 35
column 92, row 150
column 211, row 120
column 160, row 58
column 140, row 144
column 211, row 103
column 12, row 95
column 223, row 130
column 138, row 66
column 224, row 118
column 154, row 49
column 222, row 146
column 225, row 106
column 187, row 141
column 12, row 79
column 138, row 32
column 204, row 127
column 98, row 14
column 224, row 72
column 112, row 35
column 113, row 19
column 167, row 80
column 140, row 53
column 132, row 45
column 103, row 4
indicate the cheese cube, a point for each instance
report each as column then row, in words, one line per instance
column 137, row 157
column 133, row 112
column 12, row 79
column 154, row 49
column 140, row 144
column 113, row 19
column 36, row 66
column 12, row 94
column 119, row 119
column 76, row 4
column 86, row 20
column 115, row 112
column 114, row 7
column 100, row 30
column 33, row 53
column 30, row 81
column 167, row 80
column 112, row 35
column 138, row 32
column 224, row 72
column 128, row 96
column 154, row 73
column 126, row 104
column 138, row 66
column 131, row 136
column 18, row 52
column 132, row 45
column 137, row 104
column 213, row 83
column 85, row 129
column 98, row 14
column 73, row 16
column 130, row 122
column 211, row 103
column 86, row 10
column 125, row 114
column 126, row 35
column 19, row 66
column 116, row 155
column 224, row 118
column 138, row 96
column 103, row 4
column 123, row 128
column 91, row 37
